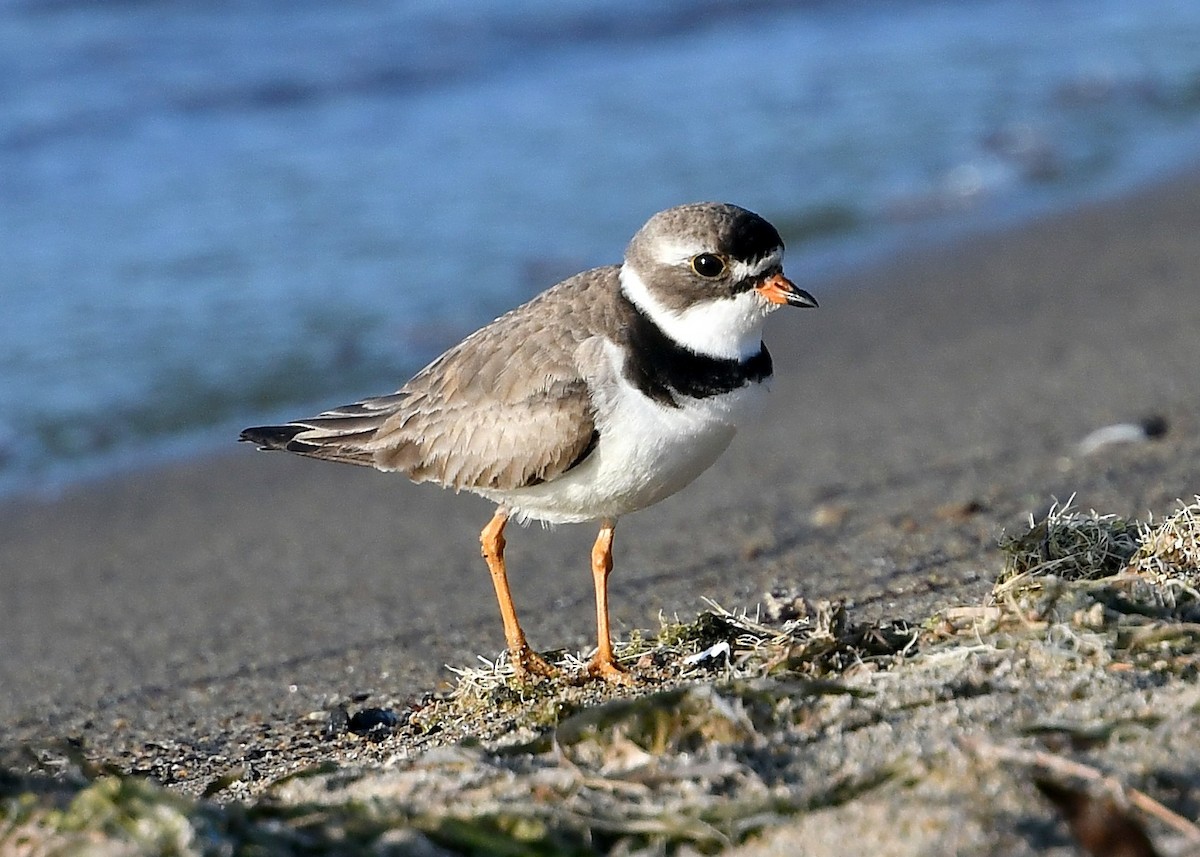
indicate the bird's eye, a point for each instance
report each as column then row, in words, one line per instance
column 708, row 265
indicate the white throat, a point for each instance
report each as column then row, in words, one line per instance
column 727, row 328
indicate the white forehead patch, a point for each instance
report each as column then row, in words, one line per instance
column 742, row 270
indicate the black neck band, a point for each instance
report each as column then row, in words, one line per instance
column 665, row 371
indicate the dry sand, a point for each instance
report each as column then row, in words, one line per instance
column 930, row 403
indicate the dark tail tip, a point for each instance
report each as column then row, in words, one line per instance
column 270, row 437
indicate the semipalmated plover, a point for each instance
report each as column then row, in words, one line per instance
column 603, row 395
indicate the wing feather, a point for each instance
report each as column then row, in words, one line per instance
column 507, row 407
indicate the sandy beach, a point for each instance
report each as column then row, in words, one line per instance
column 933, row 401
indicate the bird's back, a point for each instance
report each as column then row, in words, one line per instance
column 505, row 408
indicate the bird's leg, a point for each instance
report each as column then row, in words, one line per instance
column 524, row 659
column 603, row 664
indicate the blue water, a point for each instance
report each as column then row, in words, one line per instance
column 213, row 213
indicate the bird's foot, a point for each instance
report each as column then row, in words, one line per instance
column 608, row 670
column 527, row 663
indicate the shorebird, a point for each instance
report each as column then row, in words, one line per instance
column 600, row 396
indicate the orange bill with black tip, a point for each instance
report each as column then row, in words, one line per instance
column 778, row 289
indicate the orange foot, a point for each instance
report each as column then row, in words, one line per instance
column 608, row 670
column 526, row 662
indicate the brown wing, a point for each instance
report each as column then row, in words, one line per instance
column 505, row 408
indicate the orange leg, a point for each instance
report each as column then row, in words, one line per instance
column 524, row 659
column 603, row 664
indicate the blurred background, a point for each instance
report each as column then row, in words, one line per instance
column 217, row 213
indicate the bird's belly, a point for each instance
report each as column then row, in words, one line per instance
column 646, row 453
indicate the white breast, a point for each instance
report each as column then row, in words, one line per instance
column 647, row 451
